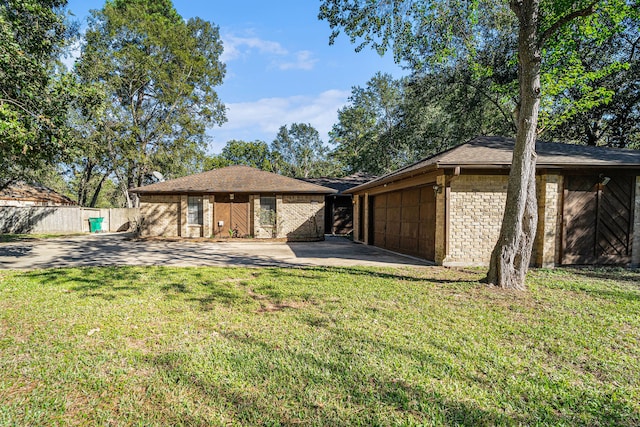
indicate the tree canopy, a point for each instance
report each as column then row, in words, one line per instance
column 34, row 92
column 158, row 73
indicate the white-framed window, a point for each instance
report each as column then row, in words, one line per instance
column 194, row 210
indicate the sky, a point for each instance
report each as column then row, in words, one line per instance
column 280, row 66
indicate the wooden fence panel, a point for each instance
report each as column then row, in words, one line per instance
column 62, row 219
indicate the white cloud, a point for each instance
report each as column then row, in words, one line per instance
column 281, row 58
column 303, row 61
column 237, row 47
column 261, row 119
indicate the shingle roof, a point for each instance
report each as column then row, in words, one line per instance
column 23, row 192
column 234, row 179
column 494, row 152
column 341, row 184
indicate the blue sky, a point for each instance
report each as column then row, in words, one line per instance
column 280, row 67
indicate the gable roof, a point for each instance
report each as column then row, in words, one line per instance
column 341, row 184
column 495, row 152
column 233, row 179
column 20, row 192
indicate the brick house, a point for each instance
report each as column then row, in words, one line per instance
column 233, row 201
column 448, row 208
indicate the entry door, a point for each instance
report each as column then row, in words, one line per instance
column 597, row 219
column 233, row 213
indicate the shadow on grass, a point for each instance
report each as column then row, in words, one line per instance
column 361, row 397
column 219, row 285
column 274, row 385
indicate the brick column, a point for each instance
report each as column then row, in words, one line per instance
column 549, row 221
column 182, row 218
column 442, row 233
column 635, row 250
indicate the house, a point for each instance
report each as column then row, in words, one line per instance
column 234, row 201
column 338, row 207
column 448, row 208
column 21, row 194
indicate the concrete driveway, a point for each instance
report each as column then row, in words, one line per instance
column 120, row 249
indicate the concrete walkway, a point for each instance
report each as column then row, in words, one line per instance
column 120, row 249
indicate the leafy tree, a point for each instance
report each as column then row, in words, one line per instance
column 159, row 73
column 617, row 122
column 544, row 32
column 34, row 92
column 299, row 152
column 255, row 154
column 365, row 135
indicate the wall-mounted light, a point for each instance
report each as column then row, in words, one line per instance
column 230, row 196
column 604, row 180
column 437, row 188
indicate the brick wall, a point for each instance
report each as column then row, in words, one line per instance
column 161, row 215
column 546, row 251
column 476, row 208
column 635, row 250
column 299, row 217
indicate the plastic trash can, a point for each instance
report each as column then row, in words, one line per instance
column 95, row 224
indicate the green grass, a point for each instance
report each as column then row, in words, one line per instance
column 19, row 237
column 323, row 346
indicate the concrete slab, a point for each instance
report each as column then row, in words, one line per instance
column 120, row 249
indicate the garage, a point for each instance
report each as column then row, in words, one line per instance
column 404, row 221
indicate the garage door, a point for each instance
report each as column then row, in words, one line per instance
column 404, row 221
column 598, row 219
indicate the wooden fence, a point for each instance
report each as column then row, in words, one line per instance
column 63, row 219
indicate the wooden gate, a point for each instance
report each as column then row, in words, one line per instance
column 233, row 213
column 404, row 221
column 597, row 219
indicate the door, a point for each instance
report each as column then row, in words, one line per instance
column 404, row 221
column 233, row 213
column 597, row 219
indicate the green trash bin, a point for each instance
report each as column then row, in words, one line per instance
column 95, row 224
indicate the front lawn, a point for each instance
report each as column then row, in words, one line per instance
column 321, row 346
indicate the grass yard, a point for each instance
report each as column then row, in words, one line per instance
column 321, row 346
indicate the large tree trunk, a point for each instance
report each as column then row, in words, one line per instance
column 511, row 256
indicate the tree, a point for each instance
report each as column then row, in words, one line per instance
column 365, row 135
column 299, row 152
column 617, row 122
column 431, row 33
column 159, row 73
column 34, row 92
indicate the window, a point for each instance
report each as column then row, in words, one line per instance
column 194, row 212
column 268, row 211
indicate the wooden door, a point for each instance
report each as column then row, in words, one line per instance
column 427, row 236
column 378, row 220
column 405, row 221
column 597, row 219
column 233, row 213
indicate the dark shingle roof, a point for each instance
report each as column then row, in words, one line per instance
column 234, row 179
column 23, row 192
column 494, row 152
column 341, row 184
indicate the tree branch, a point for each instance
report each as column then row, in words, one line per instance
column 586, row 11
